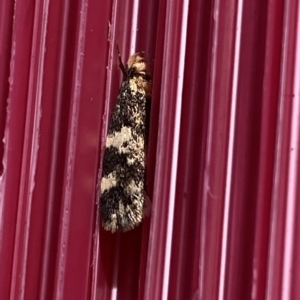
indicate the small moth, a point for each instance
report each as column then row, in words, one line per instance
column 123, row 199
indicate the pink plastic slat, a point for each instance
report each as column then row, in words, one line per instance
column 223, row 157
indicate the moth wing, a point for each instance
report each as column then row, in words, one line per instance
column 123, row 200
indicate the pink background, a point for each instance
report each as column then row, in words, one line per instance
column 223, row 164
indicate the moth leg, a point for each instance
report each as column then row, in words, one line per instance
column 146, row 205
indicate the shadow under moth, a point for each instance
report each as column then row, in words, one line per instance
column 123, row 199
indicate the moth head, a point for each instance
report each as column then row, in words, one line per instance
column 137, row 63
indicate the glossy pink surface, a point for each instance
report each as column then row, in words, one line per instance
column 223, row 163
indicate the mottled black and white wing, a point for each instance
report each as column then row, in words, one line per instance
column 123, row 200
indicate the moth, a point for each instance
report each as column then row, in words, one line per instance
column 123, row 198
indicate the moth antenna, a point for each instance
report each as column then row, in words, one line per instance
column 121, row 65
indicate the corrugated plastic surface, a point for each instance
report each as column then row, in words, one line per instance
column 223, row 164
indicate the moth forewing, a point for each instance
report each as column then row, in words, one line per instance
column 123, row 198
